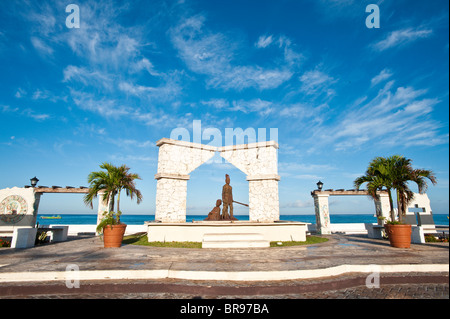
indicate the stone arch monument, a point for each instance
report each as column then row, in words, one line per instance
column 177, row 159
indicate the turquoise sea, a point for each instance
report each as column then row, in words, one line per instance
column 91, row 219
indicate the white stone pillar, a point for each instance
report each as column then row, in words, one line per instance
column 102, row 206
column 383, row 207
column 171, row 193
column 322, row 213
column 263, row 198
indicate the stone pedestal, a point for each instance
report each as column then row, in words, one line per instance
column 102, row 207
column 382, row 207
column 322, row 213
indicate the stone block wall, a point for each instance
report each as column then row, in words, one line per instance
column 171, row 196
column 263, row 200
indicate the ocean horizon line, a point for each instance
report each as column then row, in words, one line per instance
column 284, row 214
column 139, row 219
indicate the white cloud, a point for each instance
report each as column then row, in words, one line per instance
column 105, row 107
column 316, row 82
column 313, row 79
column 8, row 109
column 401, row 37
column 296, row 167
column 168, row 90
column 28, row 112
column 213, row 54
column 131, row 143
column 382, row 76
column 94, row 78
column 144, row 64
column 133, row 158
column 217, row 103
column 20, row 93
column 135, row 89
column 41, row 46
column 264, row 41
column 298, row 204
column 259, row 106
column 394, row 117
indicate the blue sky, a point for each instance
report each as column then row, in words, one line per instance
column 338, row 92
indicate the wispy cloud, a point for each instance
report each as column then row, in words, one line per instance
column 303, row 170
column 95, row 78
column 317, row 82
column 396, row 116
column 105, row 107
column 298, row 204
column 169, row 89
column 264, row 41
column 28, row 112
column 213, row 54
column 382, row 76
column 402, row 37
column 259, row 106
column 220, row 104
column 41, row 46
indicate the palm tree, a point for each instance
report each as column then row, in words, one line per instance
column 103, row 181
column 125, row 181
column 403, row 173
column 111, row 182
column 395, row 172
column 378, row 176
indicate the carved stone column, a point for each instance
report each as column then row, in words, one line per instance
column 322, row 212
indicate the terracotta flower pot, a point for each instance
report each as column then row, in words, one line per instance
column 113, row 235
column 399, row 235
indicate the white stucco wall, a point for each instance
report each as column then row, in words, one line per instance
column 28, row 197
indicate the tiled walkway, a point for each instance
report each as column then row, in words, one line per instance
column 338, row 268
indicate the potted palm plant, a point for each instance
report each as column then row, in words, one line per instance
column 111, row 181
column 112, row 229
column 394, row 173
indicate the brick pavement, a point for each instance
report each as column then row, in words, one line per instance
column 349, row 286
column 90, row 256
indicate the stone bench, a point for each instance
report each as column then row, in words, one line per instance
column 21, row 237
column 374, row 230
column 57, row 233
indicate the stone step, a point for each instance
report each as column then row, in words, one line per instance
column 236, row 244
column 232, row 236
column 234, row 240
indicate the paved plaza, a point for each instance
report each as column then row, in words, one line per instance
column 340, row 268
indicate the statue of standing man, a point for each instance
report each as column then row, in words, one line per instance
column 227, row 199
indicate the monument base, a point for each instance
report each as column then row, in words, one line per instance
column 195, row 231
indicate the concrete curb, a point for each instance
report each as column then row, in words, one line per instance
column 218, row 275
